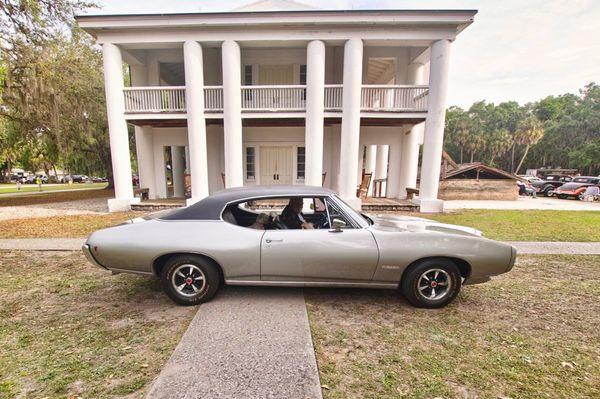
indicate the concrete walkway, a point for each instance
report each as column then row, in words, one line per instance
column 523, row 203
column 248, row 342
column 42, row 244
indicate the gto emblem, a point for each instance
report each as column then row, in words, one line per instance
column 390, row 267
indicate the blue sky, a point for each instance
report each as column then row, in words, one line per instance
column 515, row 50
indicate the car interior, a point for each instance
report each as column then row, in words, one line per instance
column 265, row 213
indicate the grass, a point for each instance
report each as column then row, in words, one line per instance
column 70, row 330
column 529, row 334
column 28, row 188
column 62, row 226
column 55, row 196
column 528, row 225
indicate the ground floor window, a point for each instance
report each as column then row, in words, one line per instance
column 250, row 163
column 300, row 163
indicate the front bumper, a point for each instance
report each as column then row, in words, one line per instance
column 87, row 251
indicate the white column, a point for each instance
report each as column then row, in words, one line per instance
column 232, row 114
column 177, row 168
column 187, row 159
column 434, row 128
column 381, row 165
column 315, row 97
column 410, row 141
column 160, row 171
column 349, row 142
column 196, row 124
column 117, row 128
column 144, row 147
column 370, row 162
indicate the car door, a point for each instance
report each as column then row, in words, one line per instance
column 348, row 254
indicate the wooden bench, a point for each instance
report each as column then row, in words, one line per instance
column 411, row 192
column 141, row 192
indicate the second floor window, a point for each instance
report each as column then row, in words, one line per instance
column 247, row 75
column 302, row 74
column 303, row 80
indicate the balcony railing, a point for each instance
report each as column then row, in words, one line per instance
column 274, row 98
column 333, row 97
column 213, row 98
column 281, row 98
column 154, row 99
column 394, row 98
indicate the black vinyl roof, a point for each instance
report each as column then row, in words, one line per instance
column 210, row 208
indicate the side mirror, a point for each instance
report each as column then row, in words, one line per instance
column 338, row 225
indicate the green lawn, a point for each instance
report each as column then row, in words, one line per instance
column 528, row 225
column 33, row 188
column 531, row 333
column 70, row 330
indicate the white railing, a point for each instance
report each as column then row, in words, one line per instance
column 333, row 97
column 154, row 99
column 213, row 98
column 274, row 98
column 394, row 98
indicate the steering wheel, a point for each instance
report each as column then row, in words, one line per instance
column 322, row 223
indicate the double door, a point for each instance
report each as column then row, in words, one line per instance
column 276, row 165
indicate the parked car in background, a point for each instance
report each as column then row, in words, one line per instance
column 530, row 178
column 32, row 179
column 135, row 180
column 257, row 236
column 550, row 183
column 97, row 179
column 576, row 187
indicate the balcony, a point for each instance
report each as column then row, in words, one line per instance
column 273, row 99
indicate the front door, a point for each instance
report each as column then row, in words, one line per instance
column 318, row 255
column 276, row 165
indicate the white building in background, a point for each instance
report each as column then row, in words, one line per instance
column 278, row 97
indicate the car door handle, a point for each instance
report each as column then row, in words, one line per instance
column 270, row 240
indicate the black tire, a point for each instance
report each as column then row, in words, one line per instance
column 448, row 273
column 549, row 192
column 561, row 196
column 193, row 267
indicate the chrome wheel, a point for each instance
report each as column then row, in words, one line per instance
column 434, row 284
column 188, row 279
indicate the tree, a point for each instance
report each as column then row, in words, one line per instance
column 587, row 157
column 529, row 132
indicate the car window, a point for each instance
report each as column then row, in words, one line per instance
column 271, row 213
column 582, row 180
column 335, row 213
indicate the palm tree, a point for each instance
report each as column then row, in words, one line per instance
column 529, row 132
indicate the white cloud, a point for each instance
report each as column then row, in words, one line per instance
column 515, row 49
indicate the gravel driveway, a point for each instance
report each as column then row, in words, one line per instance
column 79, row 207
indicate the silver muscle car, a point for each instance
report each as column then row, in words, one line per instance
column 297, row 236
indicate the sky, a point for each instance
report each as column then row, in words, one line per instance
column 521, row 50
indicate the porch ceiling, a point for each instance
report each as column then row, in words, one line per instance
column 282, row 122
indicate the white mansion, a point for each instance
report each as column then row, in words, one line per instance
column 278, row 97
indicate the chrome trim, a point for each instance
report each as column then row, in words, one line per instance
column 88, row 254
column 272, row 283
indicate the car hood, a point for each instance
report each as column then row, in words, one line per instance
column 573, row 186
column 416, row 224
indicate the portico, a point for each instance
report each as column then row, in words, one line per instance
column 286, row 103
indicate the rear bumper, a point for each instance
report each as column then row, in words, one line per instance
column 513, row 258
column 88, row 254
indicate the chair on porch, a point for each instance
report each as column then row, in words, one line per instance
column 363, row 189
column 223, row 179
column 323, row 179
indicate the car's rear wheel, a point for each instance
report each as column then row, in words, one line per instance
column 562, row 196
column 190, row 279
column 549, row 192
column 432, row 283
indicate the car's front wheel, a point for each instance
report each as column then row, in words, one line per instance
column 190, row 279
column 432, row 283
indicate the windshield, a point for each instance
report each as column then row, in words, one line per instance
column 350, row 211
